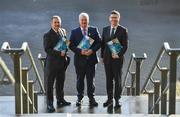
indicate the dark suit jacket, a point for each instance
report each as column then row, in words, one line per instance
column 76, row 37
column 121, row 34
column 54, row 60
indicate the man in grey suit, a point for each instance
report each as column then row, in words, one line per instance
column 113, row 62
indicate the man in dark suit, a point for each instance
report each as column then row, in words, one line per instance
column 55, row 64
column 113, row 63
column 85, row 60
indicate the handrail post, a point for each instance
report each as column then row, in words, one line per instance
column 156, row 96
column 133, row 77
column 172, row 81
column 133, row 91
column 128, row 90
column 138, row 64
column 150, row 101
column 164, row 72
column 18, row 82
column 36, row 101
column 138, row 68
column 26, row 95
column 42, row 62
column 31, row 96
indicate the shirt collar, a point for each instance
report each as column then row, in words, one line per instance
column 83, row 30
column 114, row 27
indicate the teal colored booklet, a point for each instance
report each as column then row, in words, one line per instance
column 115, row 46
column 62, row 45
column 85, row 43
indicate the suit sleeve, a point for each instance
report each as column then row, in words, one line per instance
column 97, row 43
column 124, row 43
column 102, row 44
column 48, row 46
column 73, row 45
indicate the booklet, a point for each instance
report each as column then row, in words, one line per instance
column 85, row 43
column 62, row 45
column 115, row 46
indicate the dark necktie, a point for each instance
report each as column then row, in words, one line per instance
column 112, row 32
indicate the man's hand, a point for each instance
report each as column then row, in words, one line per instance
column 88, row 52
column 62, row 54
column 83, row 52
column 115, row 56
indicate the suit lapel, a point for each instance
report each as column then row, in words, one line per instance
column 80, row 33
column 108, row 33
column 117, row 31
column 88, row 33
column 54, row 34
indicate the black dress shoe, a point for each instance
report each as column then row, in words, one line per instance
column 117, row 105
column 50, row 108
column 92, row 102
column 79, row 102
column 63, row 102
column 108, row 103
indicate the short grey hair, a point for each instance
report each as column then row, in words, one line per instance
column 56, row 17
column 83, row 14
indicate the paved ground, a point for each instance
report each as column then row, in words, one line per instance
column 149, row 24
column 129, row 105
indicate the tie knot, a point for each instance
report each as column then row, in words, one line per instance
column 84, row 31
column 113, row 29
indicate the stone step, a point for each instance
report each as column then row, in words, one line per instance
column 85, row 115
column 130, row 105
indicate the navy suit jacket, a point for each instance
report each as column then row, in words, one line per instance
column 122, row 35
column 76, row 37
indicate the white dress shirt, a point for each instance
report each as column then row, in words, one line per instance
column 82, row 30
column 114, row 29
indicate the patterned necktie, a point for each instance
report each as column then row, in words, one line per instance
column 84, row 32
column 112, row 32
column 58, row 33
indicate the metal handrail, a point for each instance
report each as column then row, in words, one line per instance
column 159, row 98
column 165, row 48
column 171, row 86
column 153, row 69
column 7, row 71
column 128, row 71
column 24, row 49
column 41, row 59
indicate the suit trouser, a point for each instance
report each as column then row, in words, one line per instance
column 59, row 76
column 113, row 73
column 87, row 71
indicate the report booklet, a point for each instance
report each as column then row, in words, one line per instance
column 115, row 46
column 85, row 43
